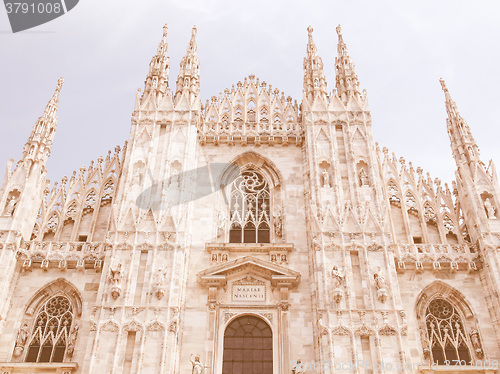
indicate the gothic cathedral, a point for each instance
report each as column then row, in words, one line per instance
column 250, row 234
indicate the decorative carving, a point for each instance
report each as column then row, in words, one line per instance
column 197, row 365
column 22, row 336
column 115, row 277
column 338, row 276
column 387, row 330
column 379, row 278
column 228, row 316
column 72, row 340
column 174, row 324
column 476, row 343
column 10, row 206
column 364, row 330
column 155, row 326
column 315, row 242
column 221, row 222
column 268, row 316
column 284, row 305
column 363, row 178
column 160, row 278
column 325, row 178
column 426, row 344
column 278, row 224
column 323, row 330
column 340, row 330
column 490, row 211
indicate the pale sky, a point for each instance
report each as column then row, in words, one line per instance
column 401, row 49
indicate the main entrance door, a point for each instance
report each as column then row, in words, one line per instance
column 248, row 347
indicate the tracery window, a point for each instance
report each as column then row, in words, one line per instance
column 446, row 332
column 250, row 199
column 51, row 330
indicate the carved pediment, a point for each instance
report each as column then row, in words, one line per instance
column 251, row 267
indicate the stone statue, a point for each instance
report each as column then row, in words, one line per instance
column 22, row 336
column 174, row 179
column 363, row 177
column 474, row 337
column 10, row 206
column 221, row 222
column 72, row 340
column 426, row 344
column 338, row 277
column 490, row 211
column 326, row 178
column 197, row 366
column 115, row 275
column 379, row 278
column 160, row 276
column 278, row 226
column 315, row 243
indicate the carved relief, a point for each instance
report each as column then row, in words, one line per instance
column 338, row 276
column 159, row 285
column 22, row 336
column 115, row 278
column 380, row 284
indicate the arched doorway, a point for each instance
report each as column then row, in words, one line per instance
column 248, row 347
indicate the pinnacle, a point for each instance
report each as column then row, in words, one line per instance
column 314, row 77
column 192, row 42
column 443, row 85
column 451, row 107
column 311, row 47
column 346, row 79
column 51, row 107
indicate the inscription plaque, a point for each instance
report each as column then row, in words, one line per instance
column 248, row 292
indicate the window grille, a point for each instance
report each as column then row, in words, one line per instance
column 446, row 332
column 250, row 199
column 49, row 338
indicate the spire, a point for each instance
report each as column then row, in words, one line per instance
column 39, row 143
column 314, row 76
column 463, row 145
column 346, row 79
column 156, row 84
column 188, row 81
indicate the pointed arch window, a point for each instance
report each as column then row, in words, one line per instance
column 250, row 207
column 50, row 334
column 446, row 333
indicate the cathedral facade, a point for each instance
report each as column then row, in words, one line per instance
column 249, row 234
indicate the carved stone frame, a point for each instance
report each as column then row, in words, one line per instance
column 274, row 313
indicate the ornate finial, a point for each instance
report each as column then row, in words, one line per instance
column 443, row 85
column 165, row 29
column 339, row 31
column 310, row 30
column 193, row 33
column 60, row 82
